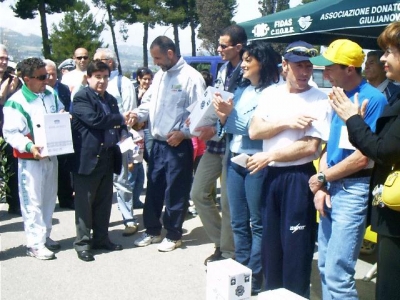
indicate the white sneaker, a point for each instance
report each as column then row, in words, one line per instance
column 41, row 253
column 169, row 245
column 52, row 245
column 147, row 239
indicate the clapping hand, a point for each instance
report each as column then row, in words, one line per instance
column 343, row 105
column 222, row 108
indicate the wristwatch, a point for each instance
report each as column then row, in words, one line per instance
column 321, row 177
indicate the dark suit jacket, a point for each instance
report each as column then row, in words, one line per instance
column 89, row 123
column 384, row 148
column 64, row 94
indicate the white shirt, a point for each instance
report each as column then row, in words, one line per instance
column 74, row 81
column 277, row 103
column 126, row 101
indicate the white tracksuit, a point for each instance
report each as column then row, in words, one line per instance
column 37, row 179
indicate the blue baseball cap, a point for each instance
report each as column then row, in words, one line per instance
column 299, row 51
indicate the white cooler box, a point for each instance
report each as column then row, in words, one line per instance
column 279, row 294
column 228, row 280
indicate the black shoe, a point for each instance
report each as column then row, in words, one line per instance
column 217, row 255
column 15, row 211
column 85, row 255
column 138, row 205
column 108, row 246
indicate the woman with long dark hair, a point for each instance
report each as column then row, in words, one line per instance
column 260, row 70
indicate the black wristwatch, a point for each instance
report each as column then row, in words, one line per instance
column 321, row 177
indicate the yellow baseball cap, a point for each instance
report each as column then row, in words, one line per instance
column 343, row 52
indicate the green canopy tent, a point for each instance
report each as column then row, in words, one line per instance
column 324, row 21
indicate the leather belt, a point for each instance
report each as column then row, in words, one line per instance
column 233, row 154
column 361, row 173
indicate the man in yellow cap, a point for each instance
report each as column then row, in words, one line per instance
column 341, row 186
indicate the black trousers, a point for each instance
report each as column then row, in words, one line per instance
column 12, row 196
column 93, row 200
column 387, row 283
column 65, row 190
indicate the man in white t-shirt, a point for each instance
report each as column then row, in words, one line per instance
column 292, row 119
column 77, row 78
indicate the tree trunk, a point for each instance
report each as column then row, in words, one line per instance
column 176, row 37
column 111, row 24
column 145, row 40
column 193, row 37
column 45, row 33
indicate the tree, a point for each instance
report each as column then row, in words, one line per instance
column 214, row 15
column 107, row 5
column 144, row 11
column 172, row 12
column 77, row 29
column 192, row 19
column 268, row 7
column 28, row 9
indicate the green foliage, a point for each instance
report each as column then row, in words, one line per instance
column 130, row 12
column 268, row 7
column 5, row 171
column 214, row 15
column 28, row 9
column 77, row 29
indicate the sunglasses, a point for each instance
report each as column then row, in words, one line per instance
column 82, row 57
column 303, row 51
column 223, row 47
column 41, row 77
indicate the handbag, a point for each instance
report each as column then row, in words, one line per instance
column 391, row 190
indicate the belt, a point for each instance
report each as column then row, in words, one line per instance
column 361, row 173
column 233, row 154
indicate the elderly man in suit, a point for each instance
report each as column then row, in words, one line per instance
column 97, row 127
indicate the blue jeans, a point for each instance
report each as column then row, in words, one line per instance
column 340, row 235
column 136, row 180
column 244, row 196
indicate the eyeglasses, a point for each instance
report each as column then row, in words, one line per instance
column 82, row 57
column 104, row 59
column 41, row 77
column 3, row 58
column 223, row 47
column 303, row 51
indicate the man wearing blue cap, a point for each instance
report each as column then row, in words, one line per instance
column 341, row 186
column 292, row 120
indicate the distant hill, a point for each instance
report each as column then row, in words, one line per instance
column 23, row 46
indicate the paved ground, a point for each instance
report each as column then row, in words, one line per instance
column 134, row 273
